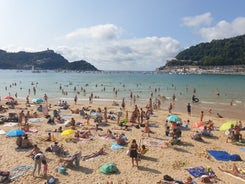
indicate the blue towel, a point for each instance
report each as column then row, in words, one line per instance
column 197, row 171
column 116, row 146
column 224, row 156
column 243, row 149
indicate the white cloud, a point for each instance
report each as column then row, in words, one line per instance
column 102, row 32
column 113, row 52
column 199, row 20
column 224, row 29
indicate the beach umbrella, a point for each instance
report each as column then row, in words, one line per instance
column 9, row 98
column 227, row 125
column 37, row 100
column 67, row 132
column 173, row 118
column 15, row 133
column 197, row 124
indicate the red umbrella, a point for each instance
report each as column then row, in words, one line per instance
column 9, row 98
column 197, row 124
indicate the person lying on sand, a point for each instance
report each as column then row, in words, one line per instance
column 94, row 154
column 109, row 134
column 85, row 135
column 235, row 171
column 75, row 111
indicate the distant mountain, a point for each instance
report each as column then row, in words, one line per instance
column 216, row 53
column 44, row 60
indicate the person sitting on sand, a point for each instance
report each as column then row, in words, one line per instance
column 34, row 151
column 237, row 134
column 122, row 140
column 60, row 129
column 206, row 132
column 230, row 134
column 94, row 154
column 59, row 120
column 19, row 141
column 49, row 138
column 197, row 136
column 26, row 142
column 235, row 171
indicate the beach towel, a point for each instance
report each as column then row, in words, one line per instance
column 66, row 116
column 199, row 171
column 10, row 124
column 32, row 131
column 35, row 120
column 153, row 142
column 224, row 156
column 116, row 146
column 106, row 138
column 2, row 132
column 19, row 171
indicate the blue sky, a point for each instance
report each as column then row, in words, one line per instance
column 117, row 35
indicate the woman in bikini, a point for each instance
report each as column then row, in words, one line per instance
column 134, row 152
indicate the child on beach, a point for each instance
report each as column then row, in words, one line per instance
column 45, row 168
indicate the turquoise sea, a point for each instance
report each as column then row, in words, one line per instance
column 231, row 88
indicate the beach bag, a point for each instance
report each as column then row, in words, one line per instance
column 62, row 170
column 109, row 168
column 168, row 178
column 52, row 180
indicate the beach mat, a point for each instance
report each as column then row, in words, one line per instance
column 35, row 120
column 153, row 142
column 197, row 171
column 200, row 171
column 224, row 156
column 2, row 132
column 32, row 131
column 10, row 124
column 19, row 171
column 116, row 146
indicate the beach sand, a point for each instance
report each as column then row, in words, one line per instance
column 156, row 163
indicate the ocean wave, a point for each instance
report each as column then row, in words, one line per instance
column 206, row 102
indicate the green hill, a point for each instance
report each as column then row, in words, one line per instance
column 216, row 53
column 44, row 60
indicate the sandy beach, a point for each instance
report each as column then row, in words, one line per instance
column 158, row 161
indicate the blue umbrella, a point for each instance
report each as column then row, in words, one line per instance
column 173, row 118
column 37, row 100
column 15, row 133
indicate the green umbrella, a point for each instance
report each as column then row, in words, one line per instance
column 227, row 125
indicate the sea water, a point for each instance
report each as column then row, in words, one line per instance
column 212, row 90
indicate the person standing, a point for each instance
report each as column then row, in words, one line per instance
column 134, row 152
column 201, row 115
column 37, row 162
column 75, row 99
column 189, row 109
